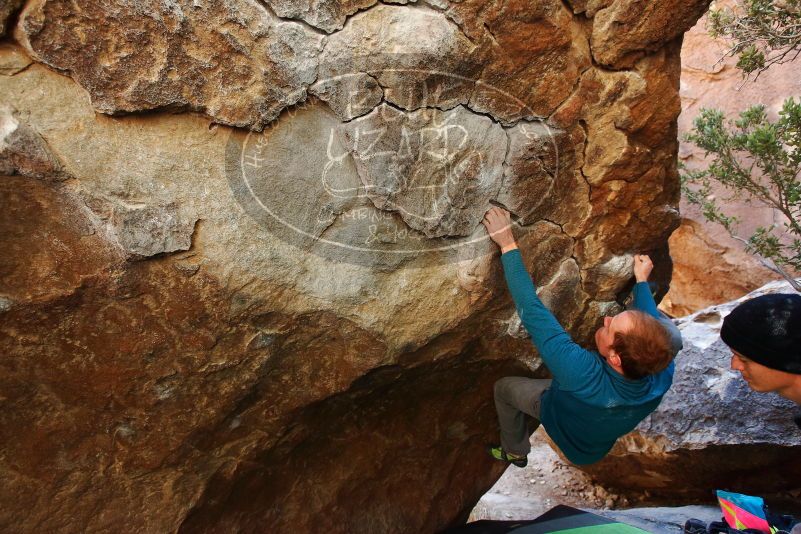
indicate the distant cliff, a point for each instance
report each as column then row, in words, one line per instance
column 710, row 267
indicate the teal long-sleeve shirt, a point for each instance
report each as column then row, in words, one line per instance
column 589, row 405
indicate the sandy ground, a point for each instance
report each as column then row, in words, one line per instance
column 545, row 482
column 548, row 481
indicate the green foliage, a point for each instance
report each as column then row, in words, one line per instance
column 755, row 160
column 761, row 32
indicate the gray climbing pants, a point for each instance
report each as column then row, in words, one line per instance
column 517, row 401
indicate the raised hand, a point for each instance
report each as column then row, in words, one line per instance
column 498, row 223
column 642, row 267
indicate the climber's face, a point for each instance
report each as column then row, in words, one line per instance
column 761, row 378
column 605, row 336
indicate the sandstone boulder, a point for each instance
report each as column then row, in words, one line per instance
column 711, row 430
column 7, row 9
column 417, row 56
column 23, row 151
column 328, row 16
column 534, row 54
column 709, row 267
column 238, row 311
column 625, row 30
column 231, row 59
column 13, row 60
column 437, row 169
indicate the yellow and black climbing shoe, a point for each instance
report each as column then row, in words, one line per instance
column 499, row 454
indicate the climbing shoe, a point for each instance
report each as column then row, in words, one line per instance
column 499, row 454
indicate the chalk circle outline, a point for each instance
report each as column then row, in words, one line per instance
column 524, row 113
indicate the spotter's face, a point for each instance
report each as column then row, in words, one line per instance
column 758, row 377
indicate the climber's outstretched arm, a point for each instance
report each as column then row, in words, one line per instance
column 572, row 365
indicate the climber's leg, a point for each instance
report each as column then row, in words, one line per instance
column 516, row 399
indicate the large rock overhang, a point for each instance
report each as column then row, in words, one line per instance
column 193, row 346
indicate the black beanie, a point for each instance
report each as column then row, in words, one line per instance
column 767, row 330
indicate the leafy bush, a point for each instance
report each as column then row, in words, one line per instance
column 761, row 32
column 755, row 160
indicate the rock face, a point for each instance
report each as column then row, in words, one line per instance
column 23, row 151
column 708, row 267
column 7, row 9
column 229, row 59
column 625, row 30
column 711, row 430
column 456, row 162
column 244, row 280
column 706, row 82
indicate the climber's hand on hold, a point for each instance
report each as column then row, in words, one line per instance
column 498, row 223
column 642, row 267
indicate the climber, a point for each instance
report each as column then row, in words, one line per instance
column 594, row 397
column 764, row 334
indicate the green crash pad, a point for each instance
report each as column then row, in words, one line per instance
column 562, row 519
